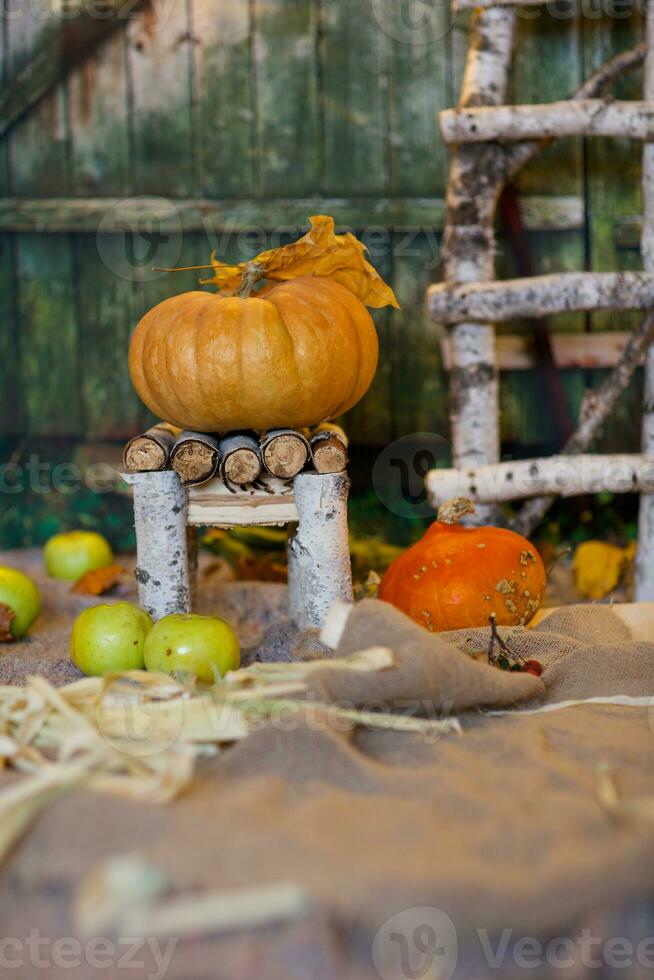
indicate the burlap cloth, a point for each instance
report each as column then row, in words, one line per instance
column 504, row 826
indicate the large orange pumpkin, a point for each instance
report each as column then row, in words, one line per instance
column 455, row 577
column 295, row 354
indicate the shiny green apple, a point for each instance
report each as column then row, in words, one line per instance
column 71, row 554
column 21, row 595
column 109, row 638
column 200, row 645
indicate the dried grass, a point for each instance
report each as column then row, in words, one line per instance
column 139, row 735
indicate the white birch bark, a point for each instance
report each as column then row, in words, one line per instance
column 565, row 476
column 458, row 5
column 162, row 570
column 644, row 571
column 319, row 549
column 469, row 245
column 541, row 296
column 574, row 117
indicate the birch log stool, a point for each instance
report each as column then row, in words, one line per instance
column 319, row 570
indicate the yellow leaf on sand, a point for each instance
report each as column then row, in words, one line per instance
column 598, row 567
column 321, row 252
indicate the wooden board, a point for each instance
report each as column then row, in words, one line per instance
column 50, row 368
column 53, row 214
column 354, row 70
column 214, row 505
column 48, row 329
column 573, row 350
column 288, row 129
column 159, row 53
column 416, row 38
column 224, row 97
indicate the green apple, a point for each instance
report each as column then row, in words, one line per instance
column 21, row 595
column 71, row 554
column 109, row 638
column 200, row 645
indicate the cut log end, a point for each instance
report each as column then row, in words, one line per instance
column 241, row 466
column 144, row 455
column 285, row 456
column 329, row 455
column 195, row 462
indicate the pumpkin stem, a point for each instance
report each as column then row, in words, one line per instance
column 453, row 510
column 252, row 273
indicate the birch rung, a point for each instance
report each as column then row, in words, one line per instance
column 569, row 350
column 558, row 476
column 214, row 504
column 571, row 117
column 540, row 296
column 458, row 5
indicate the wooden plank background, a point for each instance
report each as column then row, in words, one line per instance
column 265, row 105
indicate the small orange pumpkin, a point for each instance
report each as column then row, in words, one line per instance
column 294, row 354
column 455, row 577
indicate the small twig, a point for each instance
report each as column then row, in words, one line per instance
column 496, row 640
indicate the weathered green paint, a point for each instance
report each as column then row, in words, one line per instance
column 50, row 367
column 99, row 120
column 63, row 43
column 540, row 213
column 416, row 41
column 225, row 98
column 44, row 286
column 288, row 126
column 11, row 403
column 418, row 384
column 373, row 417
column 159, row 49
column 107, row 316
column 354, row 68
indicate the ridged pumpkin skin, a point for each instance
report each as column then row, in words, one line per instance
column 455, row 577
column 295, row 354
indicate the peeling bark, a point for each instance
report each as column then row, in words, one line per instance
column 469, row 244
column 319, row 550
column 566, row 476
column 162, row 570
column 572, row 117
column 537, row 296
column 644, row 572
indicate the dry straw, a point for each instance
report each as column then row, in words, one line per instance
column 138, row 735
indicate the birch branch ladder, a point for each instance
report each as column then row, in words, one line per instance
column 491, row 141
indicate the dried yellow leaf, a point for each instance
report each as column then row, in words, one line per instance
column 598, row 567
column 321, row 252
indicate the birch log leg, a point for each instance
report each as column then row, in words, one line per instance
column 319, row 549
column 469, row 247
column 644, row 573
column 162, row 570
